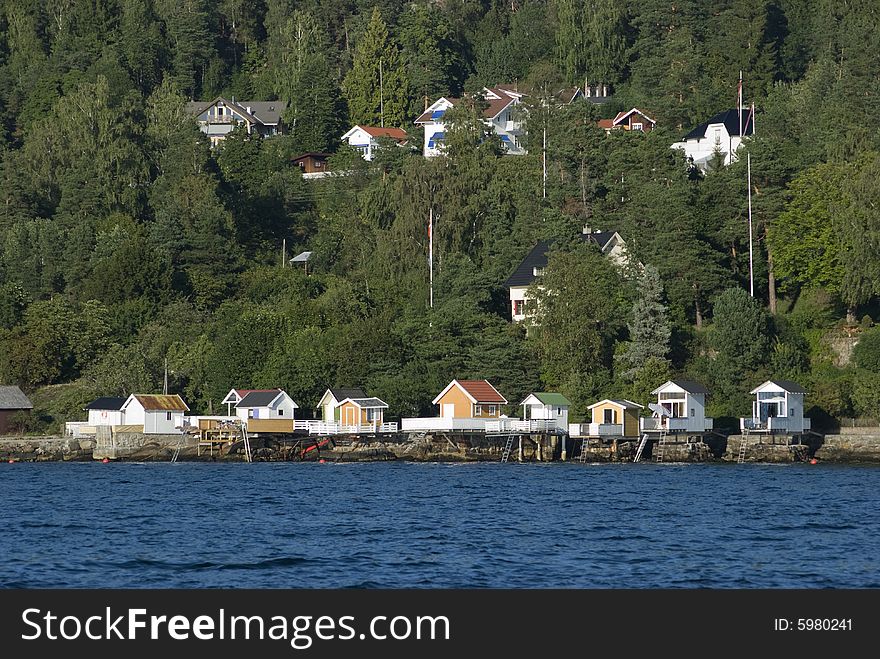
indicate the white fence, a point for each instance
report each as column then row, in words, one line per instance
column 774, row 424
column 322, row 428
column 516, row 425
column 419, row 424
column 79, row 429
column 670, row 424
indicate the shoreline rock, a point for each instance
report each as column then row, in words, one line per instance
column 859, row 448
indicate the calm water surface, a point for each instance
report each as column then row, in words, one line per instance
column 396, row 525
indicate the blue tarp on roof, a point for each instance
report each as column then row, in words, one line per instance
column 505, row 138
column 436, row 114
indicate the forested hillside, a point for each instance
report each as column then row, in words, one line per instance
column 126, row 240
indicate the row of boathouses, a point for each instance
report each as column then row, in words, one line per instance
column 463, row 406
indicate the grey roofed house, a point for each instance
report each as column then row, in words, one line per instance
column 786, row 385
column 106, row 403
column 368, row 402
column 690, row 386
column 730, row 119
column 341, row 393
column 536, row 259
column 259, row 398
column 13, row 398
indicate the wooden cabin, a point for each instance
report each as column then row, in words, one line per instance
column 778, row 408
column 12, row 401
column 470, row 399
column 364, row 411
column 614, row 418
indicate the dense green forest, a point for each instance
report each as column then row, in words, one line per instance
column 126, row 241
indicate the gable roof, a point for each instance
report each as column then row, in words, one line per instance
column 342, row 393
column 260, row 398
column 375, row 131
column 623, row 115
column 549, row 398
column 478, row 391
column 786, row 385
column 524, row 274
column 626, row 404
column 159, row 402
column 236, row 395
column 267, row 113
column 688, row 385
column 498, row 98
column 13, row 398
column 730, row 119
column 106, row 403
column 371, row 403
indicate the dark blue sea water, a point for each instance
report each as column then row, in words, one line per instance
column 393, row 525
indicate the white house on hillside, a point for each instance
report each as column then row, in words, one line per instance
column 366, row 138
column 721, row 135
column 778, row 407
column 157, row 413
column 499, row 115
column 680, row 407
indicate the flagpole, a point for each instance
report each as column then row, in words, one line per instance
column 751, row 262
column 431, row 255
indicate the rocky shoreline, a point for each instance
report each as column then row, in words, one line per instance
column 845, row 448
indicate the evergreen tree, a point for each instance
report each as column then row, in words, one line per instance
column 305, row 80
column 649, row 327
column 376, row 87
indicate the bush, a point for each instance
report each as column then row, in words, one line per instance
column 866, row 353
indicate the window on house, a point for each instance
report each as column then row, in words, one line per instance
column 693, row 412
column 168, row 416
column 280, row 412
column 373, row 415
column 518, row 307
column 608, row 416
column 558, row 411
column 478, row 410
column 250, row 414
column 637, row 126
column 791, row 411
column 492, row 409
column 537, row 271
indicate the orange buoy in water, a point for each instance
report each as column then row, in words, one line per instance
column 814, row 461
column 11, row 461
column 322, row 461
column 105, row 460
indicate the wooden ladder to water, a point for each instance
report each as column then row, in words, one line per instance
column 659, row 448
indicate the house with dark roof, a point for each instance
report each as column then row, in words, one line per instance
column 499, row 114
column 155, row 413
column 366, row 139
column 235, row 395
column 217, row 118
column 328, row 406
column 719, row 136
column 680, row 408
column 778, row 408
column 313, row 164
column 532, row 266
column 12, row 402
column 633, row 119
column 105, row 411
column 266, row 404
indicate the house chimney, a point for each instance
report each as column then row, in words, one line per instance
column 249, row 109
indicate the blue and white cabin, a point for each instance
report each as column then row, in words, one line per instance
column 680, row 407
column 778, row 408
